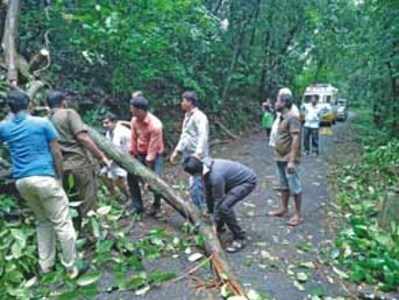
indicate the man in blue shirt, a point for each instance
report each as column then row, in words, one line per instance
column 37, row 168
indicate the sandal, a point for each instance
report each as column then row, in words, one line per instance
column 295, row 221
column 235, row 246
column 277, row 213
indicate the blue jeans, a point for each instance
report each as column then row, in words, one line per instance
column 134, row 186
column 197, row 188
column 197, row 191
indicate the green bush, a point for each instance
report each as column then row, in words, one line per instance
column 370, row 253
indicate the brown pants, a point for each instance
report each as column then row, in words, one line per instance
column 85, row 183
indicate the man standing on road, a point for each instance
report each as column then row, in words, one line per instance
column 193, row 142
column 77, row 148
column 226, row 183
column 312, row 113
column 120, row 136
column 146, row 146
column 293, row 110
column 37, row 168
column 287, row 154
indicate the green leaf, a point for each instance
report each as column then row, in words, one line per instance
column 340, row 273
column 158, row 277
column 88, row 279
column 136, row 281
column 302, row 277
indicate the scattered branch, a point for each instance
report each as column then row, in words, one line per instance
column 226, row 130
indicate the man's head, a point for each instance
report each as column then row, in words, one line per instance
column 109, row 121
column 189, row 101
column 284, row 100
column 313, row 100
column 139, row 107
column 17, row 101
column 56, row 99
column 193, row 165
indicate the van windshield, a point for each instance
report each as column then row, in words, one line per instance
column 308, row 97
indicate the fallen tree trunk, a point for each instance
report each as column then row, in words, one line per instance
column 213, row 248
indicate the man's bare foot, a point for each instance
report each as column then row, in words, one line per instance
column 278, row 213
column 295, row 221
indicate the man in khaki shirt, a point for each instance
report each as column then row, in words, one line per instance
column 77, row 148
column 287, row 155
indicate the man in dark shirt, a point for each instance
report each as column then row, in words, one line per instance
column 226, row 183
column 77, row 148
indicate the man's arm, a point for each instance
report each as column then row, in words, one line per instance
column 84, row 138
column 181, row 145
column 154, row 145
column 57, row 156
column 218, row 191
column 295, row 130
column 133, row 140
column 203, row 136
column 295, row 147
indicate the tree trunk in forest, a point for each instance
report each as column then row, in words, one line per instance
column 212, row 245
column 390, row 211
column 9, row 41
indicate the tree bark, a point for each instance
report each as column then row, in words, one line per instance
column 212, row 245
column 390, row 211
column 9, row 40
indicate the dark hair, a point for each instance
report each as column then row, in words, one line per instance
column 192, row 165
column 54, row 98
column 287, row 100
column 17, row 101
column 110, row 116
column 191, row 96
column 139, row 102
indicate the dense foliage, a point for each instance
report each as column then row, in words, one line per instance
column 233, row 53
column 367, row 248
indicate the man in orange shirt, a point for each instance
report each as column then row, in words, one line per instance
column 147, row 146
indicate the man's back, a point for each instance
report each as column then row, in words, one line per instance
column 230, row 173
column 195, row 134
column 68, row 124
column 120, row 137
column 29, row 141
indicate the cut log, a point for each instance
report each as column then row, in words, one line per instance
column 213, row 248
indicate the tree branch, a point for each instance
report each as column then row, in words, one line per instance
column 9, row 41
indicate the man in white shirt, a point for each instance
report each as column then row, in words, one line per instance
column 193, row 142
column 312, row 112
column 120, row 136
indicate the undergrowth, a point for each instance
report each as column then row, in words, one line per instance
column 369, row 252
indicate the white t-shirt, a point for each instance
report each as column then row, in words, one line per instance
column 312, row 115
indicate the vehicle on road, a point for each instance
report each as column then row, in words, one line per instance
column 342, row 109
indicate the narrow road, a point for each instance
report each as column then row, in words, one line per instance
column 279, row 261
